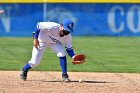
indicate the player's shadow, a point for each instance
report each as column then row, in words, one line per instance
column 83, row 81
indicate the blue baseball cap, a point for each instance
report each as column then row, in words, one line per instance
column 68, row 25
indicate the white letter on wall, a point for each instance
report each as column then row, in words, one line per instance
column 111, row 19
column 5, row 18
column 130, row 19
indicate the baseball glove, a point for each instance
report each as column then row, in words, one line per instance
column 78, row 59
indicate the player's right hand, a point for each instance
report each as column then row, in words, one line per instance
column 36, row 43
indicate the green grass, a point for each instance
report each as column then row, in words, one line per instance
column 103, row 54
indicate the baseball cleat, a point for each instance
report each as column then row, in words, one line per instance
column 65, row 78
column 23, row 75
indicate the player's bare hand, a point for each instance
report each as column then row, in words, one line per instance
column 36, row 43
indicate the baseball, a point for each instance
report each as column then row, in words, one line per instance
column 80, row 81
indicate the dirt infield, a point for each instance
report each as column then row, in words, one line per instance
column 50, row 82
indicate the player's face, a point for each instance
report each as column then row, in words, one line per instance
column 62, row 32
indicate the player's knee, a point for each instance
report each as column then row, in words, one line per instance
column 61, row 54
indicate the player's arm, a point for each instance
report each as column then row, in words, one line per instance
column 68, row 46
column 70, row 52
column 36, row 34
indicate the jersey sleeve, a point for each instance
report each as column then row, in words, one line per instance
column 68, row 45
column 37, row 30
column 68, row 42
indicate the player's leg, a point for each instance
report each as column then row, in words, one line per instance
column 58, row 49
column 35, row 60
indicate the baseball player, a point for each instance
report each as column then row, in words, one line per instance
column 54, row 36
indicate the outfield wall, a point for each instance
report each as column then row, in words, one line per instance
column 91, row 19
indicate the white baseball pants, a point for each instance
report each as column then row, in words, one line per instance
column 37, row 53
